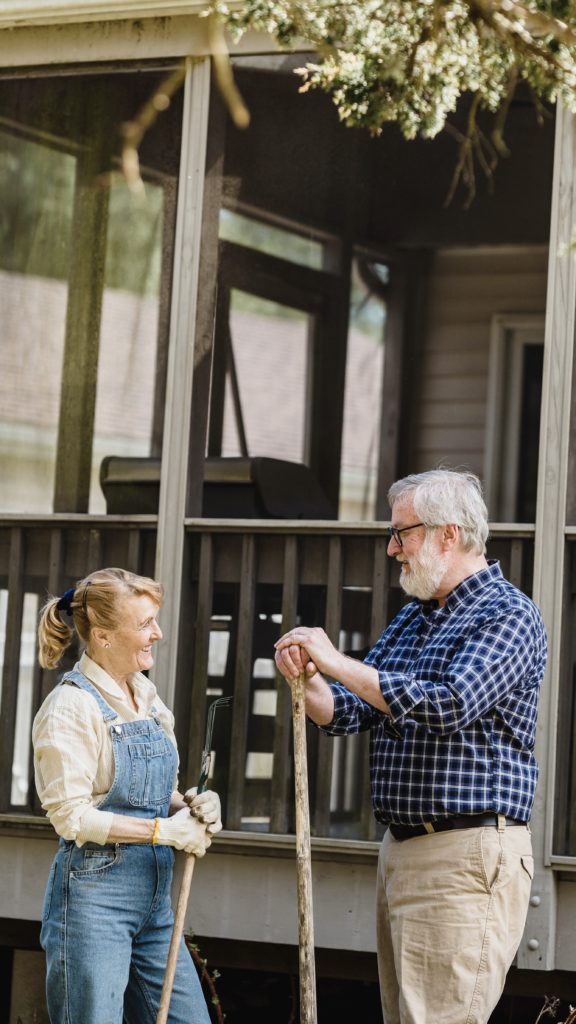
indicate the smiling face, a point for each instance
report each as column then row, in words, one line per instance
column 128, row 648
column 424, row 565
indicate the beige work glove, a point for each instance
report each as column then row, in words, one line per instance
column 183, row 831
column 206, row 808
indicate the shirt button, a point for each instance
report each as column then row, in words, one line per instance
column 118, row 728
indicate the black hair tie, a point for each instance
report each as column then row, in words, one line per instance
column 65, row 602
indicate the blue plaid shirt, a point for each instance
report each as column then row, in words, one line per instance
column 462, row 684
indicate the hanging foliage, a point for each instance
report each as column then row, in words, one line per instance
column 410, row 61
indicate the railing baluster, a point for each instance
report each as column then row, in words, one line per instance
column 569, row 838
column 321, row 814
column 378, row 620
column 54, row 587
column 515, row 571
column 380, row 588
column 32, row 801
column 55, row 559
column 11, row 668
column 242, row 682
column 341, row 764
column 282, row 730
column 94, row 553
column 367, row 819
column 133, row 553
column 44, row 679
column 200, row 663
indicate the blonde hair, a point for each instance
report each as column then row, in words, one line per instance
column 95, row 603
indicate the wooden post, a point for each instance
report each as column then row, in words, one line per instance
column 83, row 322
column 174, row 483
column 303, row 859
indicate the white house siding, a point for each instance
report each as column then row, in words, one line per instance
column 466, row 289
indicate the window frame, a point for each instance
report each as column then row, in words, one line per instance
column 510, row 334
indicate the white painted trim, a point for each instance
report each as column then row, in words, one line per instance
column 16, row 13
column 563, row 863
column 178, row 407
column 43, row 42
column 509, row 334
column 41, row 47
column 549, row 544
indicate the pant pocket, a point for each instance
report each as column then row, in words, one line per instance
column 492, row 858
column 527, row 861
column 48, row 893
column 90, row 861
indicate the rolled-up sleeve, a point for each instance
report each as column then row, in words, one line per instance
column 66, row 755
column 351, row 713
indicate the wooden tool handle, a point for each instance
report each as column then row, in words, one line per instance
column 303, row 858
column 177, row 933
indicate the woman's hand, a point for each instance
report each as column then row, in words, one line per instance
column 206, row 808
column 184, row 832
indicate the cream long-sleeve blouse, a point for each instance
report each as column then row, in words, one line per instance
column 73, row 757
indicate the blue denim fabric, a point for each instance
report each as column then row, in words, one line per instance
column 107, row 916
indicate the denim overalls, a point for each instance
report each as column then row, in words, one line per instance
column 107, row 917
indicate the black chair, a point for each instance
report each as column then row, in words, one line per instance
column 234, row 488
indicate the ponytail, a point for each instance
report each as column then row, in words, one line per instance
column 54, row 635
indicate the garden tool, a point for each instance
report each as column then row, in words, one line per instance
column 303, row 858
column 184, row 893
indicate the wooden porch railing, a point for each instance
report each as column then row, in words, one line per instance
column 246, row 581
column 249, row 582
column 41, row 555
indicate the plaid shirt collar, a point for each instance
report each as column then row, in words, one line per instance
column 466, row 591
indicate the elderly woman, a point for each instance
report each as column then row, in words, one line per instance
column 106, row 771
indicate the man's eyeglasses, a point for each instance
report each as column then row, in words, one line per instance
column 393, row 533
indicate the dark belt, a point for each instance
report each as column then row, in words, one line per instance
column 489, row 819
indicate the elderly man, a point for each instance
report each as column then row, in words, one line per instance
column 450, row 695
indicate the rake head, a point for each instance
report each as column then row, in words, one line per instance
column 207, row 751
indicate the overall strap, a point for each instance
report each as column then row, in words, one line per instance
column 77, row 678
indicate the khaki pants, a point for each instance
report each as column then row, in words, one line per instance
column 451, row 909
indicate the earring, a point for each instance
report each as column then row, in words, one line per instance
column 106, row 645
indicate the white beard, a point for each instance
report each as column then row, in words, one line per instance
column 426, row 571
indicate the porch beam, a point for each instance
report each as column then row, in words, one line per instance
column 537, row 951
column 175, row 453
column 16, row 13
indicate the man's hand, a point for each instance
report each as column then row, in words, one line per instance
column 293, row 661
column 304, row 651
column 307, row 650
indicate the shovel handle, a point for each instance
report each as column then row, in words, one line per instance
column 177, row 933
column 303, row 858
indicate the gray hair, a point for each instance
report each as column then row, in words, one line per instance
column 443, row 496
